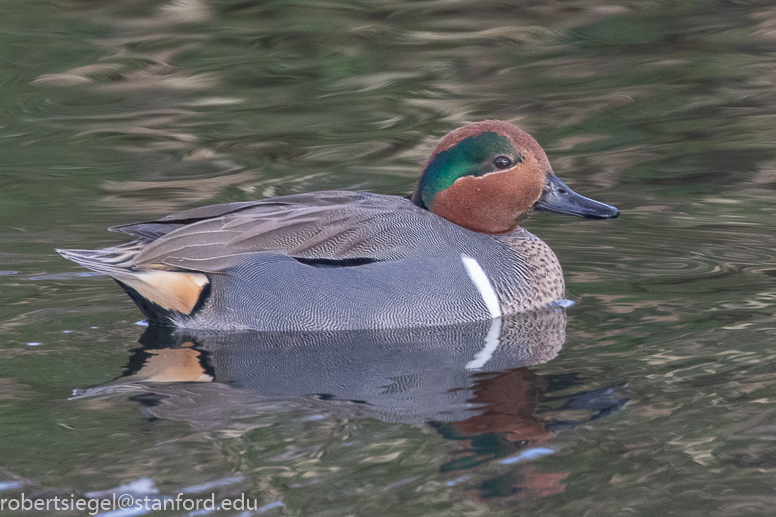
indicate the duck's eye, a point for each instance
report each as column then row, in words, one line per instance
column 502, row 162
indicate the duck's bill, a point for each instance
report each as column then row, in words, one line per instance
column 560, row 199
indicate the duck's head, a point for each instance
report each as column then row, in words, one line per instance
column 486, row 176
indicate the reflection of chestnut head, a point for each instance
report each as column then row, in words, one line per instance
column 509, row 406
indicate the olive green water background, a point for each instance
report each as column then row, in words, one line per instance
column 662, row 400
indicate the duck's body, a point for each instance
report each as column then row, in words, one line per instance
column 347, row 260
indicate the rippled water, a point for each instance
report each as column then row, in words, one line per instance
column 654, row 394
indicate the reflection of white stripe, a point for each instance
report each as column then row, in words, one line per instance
column 492, row 340
column 481, row 282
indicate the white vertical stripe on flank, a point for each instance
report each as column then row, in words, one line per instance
column 483, row 285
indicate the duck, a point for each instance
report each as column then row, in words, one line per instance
column 452, row 252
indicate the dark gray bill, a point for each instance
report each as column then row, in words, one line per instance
column 559, row 198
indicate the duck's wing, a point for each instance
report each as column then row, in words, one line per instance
column 152, row 230
column 330, row 228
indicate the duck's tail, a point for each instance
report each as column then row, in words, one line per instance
column 116, row 261
column 158, row 292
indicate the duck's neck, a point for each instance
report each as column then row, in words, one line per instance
column 484, row 204
column 417, row 199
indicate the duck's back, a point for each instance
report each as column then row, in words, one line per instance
column 333, row 260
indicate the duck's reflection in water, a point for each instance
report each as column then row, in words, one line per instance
column 471, row 382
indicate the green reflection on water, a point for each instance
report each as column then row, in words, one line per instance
column 112, row 113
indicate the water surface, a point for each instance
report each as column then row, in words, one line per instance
column 654, row 394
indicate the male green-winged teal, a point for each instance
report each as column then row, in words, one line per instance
column 451, row 253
